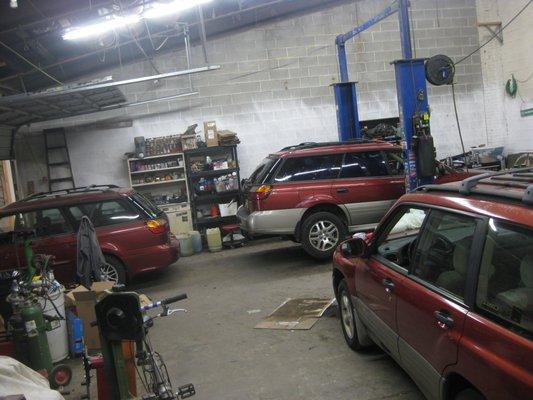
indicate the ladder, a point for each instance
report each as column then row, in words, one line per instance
column 57, row 160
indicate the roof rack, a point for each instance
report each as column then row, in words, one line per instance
column 59, row 192
column 518, row 177
column 310, row 145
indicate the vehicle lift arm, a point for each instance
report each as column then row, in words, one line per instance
column 411, row 92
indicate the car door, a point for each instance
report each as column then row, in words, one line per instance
column 377, row 276
column 54, row 236
column 431, row 306
column 368, row 185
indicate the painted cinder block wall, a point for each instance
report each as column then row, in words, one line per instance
column 273, row 87
column 499, row 61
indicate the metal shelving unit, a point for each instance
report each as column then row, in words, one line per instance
column 172, row 180
column 199, row 200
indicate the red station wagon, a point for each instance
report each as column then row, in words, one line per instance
column 133, row 232
column 445, row 286
column 315, row 193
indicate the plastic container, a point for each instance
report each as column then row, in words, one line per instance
column 58, row 336
column 196, row 241
column 186, row 249
column 214, row 241
column 227, row 209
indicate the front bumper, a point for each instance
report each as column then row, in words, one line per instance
column 270, row 222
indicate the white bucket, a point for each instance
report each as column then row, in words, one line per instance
column 57, row 337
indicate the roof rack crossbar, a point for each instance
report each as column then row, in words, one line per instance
column 69, row 191
column 468, row 183
column 309, row 145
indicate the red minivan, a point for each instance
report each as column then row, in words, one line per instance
column 133, row 232
column 444, row 285
column 315, row 193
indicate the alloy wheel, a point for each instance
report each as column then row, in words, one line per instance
column 347, row 315
column 324, row 235
column 109, row 273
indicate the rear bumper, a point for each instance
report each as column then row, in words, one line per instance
column 270, row 222
column 153, row 258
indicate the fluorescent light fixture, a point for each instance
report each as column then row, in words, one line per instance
column 115, row 22
column 159, row 10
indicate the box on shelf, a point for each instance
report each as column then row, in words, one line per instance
column 227, row 209
column 188, row 142
column 211, row 134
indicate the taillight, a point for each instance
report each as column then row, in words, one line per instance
column 263, row 191
column 258, row 194
column 157, row 225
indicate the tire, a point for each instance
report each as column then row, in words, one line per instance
column 469, row 394
column 348, row 323
column 321, row 233
column 114, row 270
column 60, row 376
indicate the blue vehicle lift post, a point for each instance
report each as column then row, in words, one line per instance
column 410, row 86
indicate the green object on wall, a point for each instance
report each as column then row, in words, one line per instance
column 511, row 87
column 528, row 112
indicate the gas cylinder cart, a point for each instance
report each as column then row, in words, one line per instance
column 28, row 326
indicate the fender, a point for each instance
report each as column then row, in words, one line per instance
column 316, row 199
column 111, row 249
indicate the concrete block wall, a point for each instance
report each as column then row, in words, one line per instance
column 499, row 61
column 273, row 87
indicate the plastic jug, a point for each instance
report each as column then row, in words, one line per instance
column 196, row 241
column 214, row 241
column 186, row 249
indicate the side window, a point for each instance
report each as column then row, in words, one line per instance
column 505, row 282
column 441, row 257
column 357, row 165
column 395, row 162
column 398, row 238
column 44, row 222
column 104, row 213
column 309, row 168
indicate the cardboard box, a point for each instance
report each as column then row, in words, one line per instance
column 211, row 133
column 85, row 300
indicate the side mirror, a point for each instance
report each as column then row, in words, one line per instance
column 354, row 248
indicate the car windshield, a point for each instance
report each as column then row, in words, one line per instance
column 262, row 170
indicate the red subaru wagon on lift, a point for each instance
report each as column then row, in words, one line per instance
column 445, row 286
column 315, row 193
column 133, row 232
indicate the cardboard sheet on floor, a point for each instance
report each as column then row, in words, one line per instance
column 298, row 314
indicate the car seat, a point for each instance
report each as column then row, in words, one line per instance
column 454, row 281
column 520, row 300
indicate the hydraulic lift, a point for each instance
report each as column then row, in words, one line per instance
column 419, row 153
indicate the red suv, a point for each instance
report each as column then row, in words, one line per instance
column 133, row 233
column 445, row 286
column 315, row 193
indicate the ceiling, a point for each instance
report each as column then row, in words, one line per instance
column 31, row 35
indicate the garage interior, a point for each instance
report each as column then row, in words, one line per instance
column 180, row 101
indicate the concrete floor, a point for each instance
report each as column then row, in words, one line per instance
column 215, row 346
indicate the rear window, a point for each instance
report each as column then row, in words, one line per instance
column 262, row 170
column 505, row 282
column 146, row 204
column 103, row 213
column 309, row 168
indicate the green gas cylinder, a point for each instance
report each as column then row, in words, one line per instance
column 38, row 351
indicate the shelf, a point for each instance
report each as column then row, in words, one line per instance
column 209, row 150
column 146, row 171
column 154, row 157
column 214, row 220
column 214, row 198
column 217, row 172
column 157, row 183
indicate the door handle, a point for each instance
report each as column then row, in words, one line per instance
column 389, row 285
column 444, row 320
column 342, row 190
